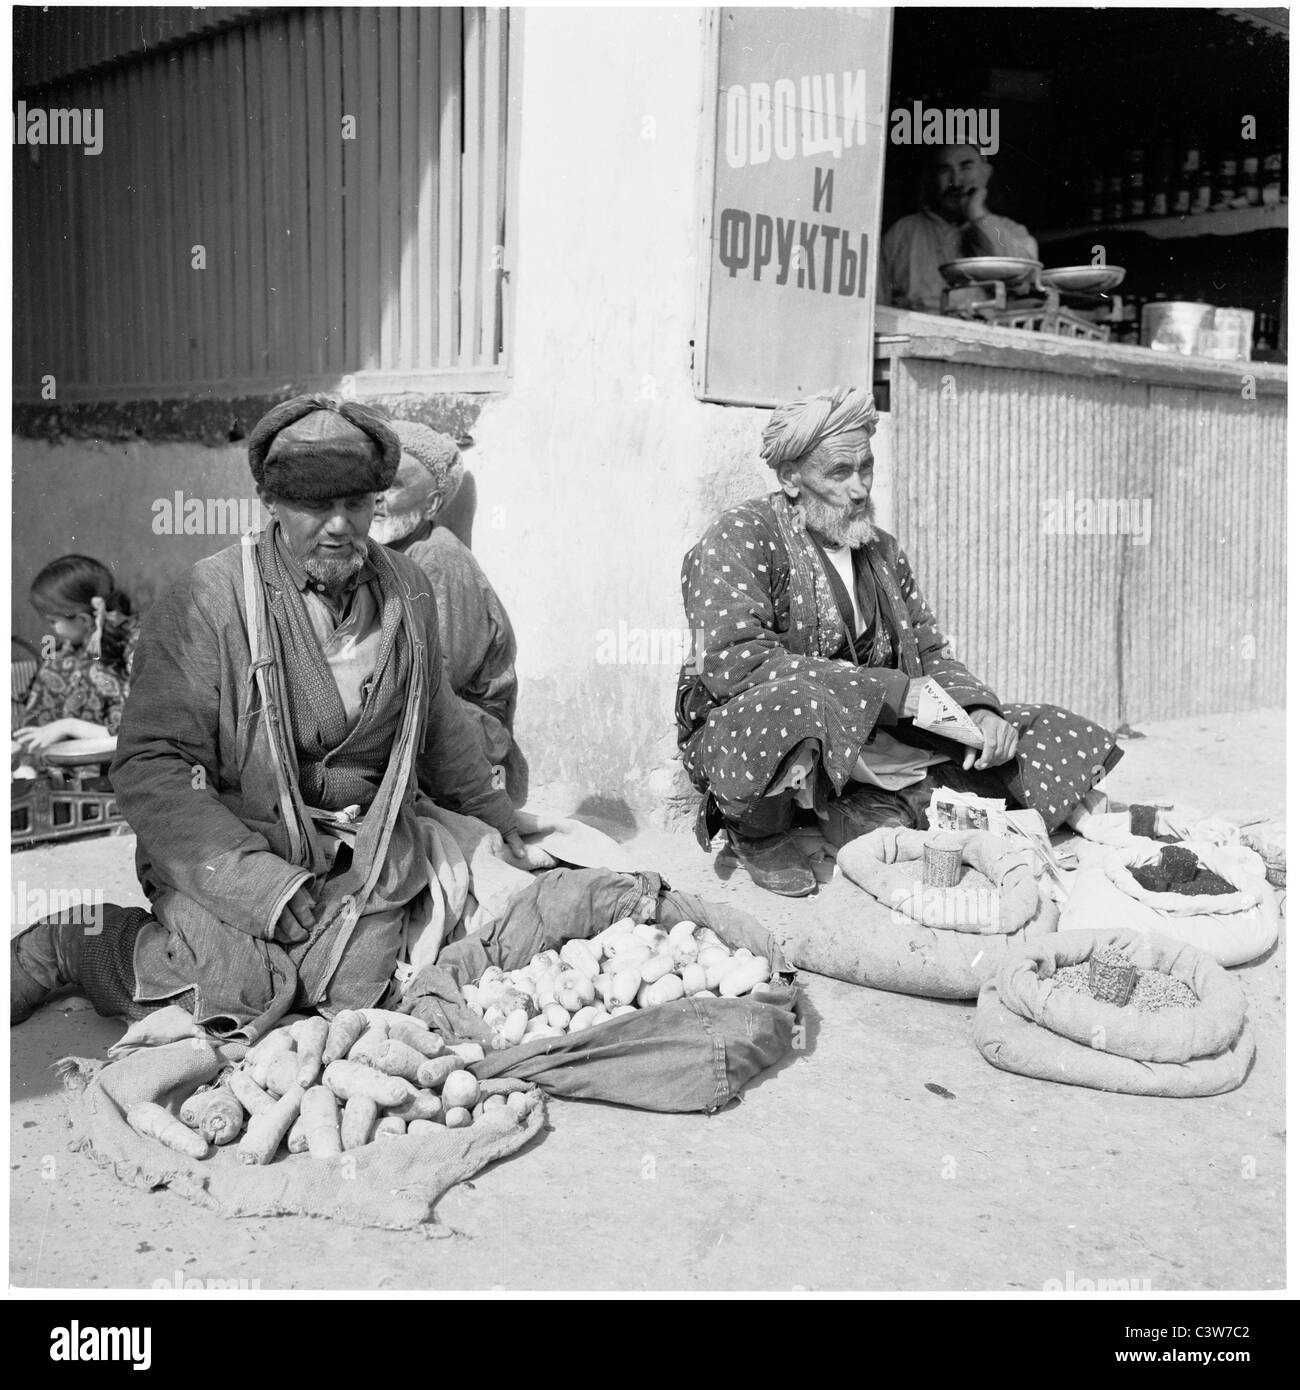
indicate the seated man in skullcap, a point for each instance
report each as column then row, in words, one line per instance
column 478, row 642
column 288, row 713
column 812, row 644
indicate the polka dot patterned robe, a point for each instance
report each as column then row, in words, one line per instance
column 766, row 672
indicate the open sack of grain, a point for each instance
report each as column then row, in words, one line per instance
column 1182, row 1032
column 892, row 932
column 550, row 995
column 1233, row 927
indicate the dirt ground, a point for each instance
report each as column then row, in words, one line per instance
column 837, row 1170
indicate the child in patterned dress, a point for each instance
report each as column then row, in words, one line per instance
column 82, row 683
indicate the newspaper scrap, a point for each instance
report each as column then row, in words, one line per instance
column 939, row 713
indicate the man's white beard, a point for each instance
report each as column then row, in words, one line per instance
column 334, row 573
column 834, row 525
column 394, row 527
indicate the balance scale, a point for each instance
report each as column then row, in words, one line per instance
column 989, row 303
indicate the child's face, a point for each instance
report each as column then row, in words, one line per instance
column 74, row 629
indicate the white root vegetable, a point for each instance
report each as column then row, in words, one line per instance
column 584, row 1018
column 460, row 1091
column 369, row 1045
column 258, row 1060
column 347, row 1079
column 744, row 976
column 626, row 984
column 414, row 1034
column 661, row 991
column 512, row 1030
column 694, row 979
column 422, row 1126
column 656, row 968
column 360, row 1116
column 557, row 1017
column 467, row 1052
column 156, row 1122
column 458, row 1118
column 435, row 1070
column 281, row 1073
column 310, row 1036
column 320, row 1121
column 388, row 1018
column 296, row 1143
column 424, row 1105
column 389, row 1126
column 395, row 1058
column 345, row 1028
column 579, row 956
column 248, row 1093
column 266, row 1131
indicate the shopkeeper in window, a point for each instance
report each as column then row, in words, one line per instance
column 953, row 222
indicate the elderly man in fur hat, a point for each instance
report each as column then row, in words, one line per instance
column 813, row 644
column 477, row 639
column 289, row 713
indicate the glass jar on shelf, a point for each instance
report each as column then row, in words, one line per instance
column 1270, row 177
column 1248, row 186
column 1115, row 204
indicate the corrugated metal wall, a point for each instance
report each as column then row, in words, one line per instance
column 60, row 41
column 990, row 464
column 325, row 255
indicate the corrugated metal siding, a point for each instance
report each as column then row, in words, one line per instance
column 57, row 42
column 324, row 256
column 1208, row 627
column 1113, row 629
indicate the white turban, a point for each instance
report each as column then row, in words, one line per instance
column 802, row 425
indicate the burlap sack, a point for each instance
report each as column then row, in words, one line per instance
column 1014, row 1044
column 1004, row 901
column 1233, row 928
column 1026, row 1022
column 394, row 1183
column 848, row 934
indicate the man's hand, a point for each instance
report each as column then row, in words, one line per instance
column 1000, row 740
column 295, row 923
column 975, row 204
column 527, row 857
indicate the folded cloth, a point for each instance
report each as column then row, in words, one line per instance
column 573, row 841
column 394, row 1184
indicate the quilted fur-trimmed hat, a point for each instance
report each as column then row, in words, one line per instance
column 313, row 448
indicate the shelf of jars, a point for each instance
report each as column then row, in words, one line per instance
column 1223, row 222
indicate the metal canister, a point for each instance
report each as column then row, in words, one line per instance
column 1174, row 325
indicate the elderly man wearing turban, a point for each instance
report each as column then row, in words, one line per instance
column 478, row 642
column 812, row 645
column 288, row 715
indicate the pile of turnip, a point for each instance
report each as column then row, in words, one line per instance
column 626, row 967
column 325, row 1087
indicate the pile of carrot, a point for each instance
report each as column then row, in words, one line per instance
column 324, row 1087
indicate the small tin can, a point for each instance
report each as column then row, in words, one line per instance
column 941, row 858
column 1111, row 977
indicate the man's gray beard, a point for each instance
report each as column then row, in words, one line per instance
column 334, row 573
column 394, row 527
column 833, row 524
